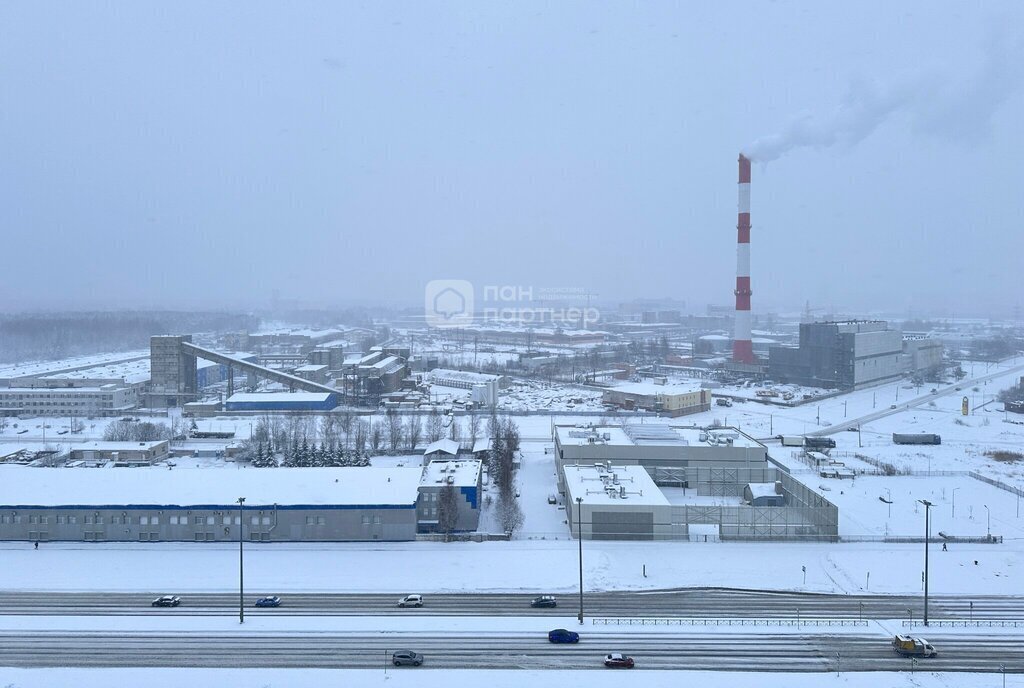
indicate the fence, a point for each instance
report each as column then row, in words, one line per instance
column 667, row 621
column 964, row 623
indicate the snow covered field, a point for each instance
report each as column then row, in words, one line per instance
column 524, row 565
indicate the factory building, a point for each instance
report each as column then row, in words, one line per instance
column 484, row 388
column 184, row 505
column 670, row 400
column 313, row 372
column 210, row 373
column 683, row 483
column 462, row 475
column 845, row 355
column 921, row 353
column 120, row 453
column 61, row 397
column 282, row 401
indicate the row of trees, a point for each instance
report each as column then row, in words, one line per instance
column 306, row 456
column 501, row 465
column 391, row 434
column 138, row 431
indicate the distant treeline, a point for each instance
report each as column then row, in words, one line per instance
column 49, row 336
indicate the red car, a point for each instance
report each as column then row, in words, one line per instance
column 618, row 661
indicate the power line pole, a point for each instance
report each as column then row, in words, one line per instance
column 927, row 532
column 241, row 569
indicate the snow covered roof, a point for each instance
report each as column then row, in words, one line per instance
column 762, row 490
column 463, row 473
column 310, row 368
column 482, row 445
column 438, row 375
column 444, row 446
column 368, row 486
column 276, row 397
column 117, row 446
column 650, row 388
column 594, row 483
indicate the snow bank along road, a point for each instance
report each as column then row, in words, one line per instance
column 686, row 603
column 739, row 652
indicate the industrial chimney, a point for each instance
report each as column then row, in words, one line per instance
column 742, row 347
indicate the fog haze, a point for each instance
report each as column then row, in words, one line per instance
column 195, row 155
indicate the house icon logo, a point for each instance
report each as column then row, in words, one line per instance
column 448, row 303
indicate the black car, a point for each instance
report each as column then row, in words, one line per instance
column 167, row 601
column 544, row 601
column 269, row 601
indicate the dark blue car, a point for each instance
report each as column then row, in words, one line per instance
column 271, row 601
column 560, row 635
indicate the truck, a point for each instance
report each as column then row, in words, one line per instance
column 819, row 442
column 791, row 440
column 909, row 646
column 916, row 438
column 723, row 401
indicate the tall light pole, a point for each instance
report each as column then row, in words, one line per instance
column 241, row 569
column 954, row 501
column 579, row 536
column 988, row 522
column 927, row 532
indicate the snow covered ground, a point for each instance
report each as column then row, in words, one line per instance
column 524, row 565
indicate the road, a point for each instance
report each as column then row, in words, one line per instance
column 684, row 603
column 691, row 651
column 958, row 389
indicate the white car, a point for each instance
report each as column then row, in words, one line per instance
column 411, row 601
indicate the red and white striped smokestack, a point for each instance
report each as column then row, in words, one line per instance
column 742, row 346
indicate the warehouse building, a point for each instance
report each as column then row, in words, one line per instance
column 184, row 505
column 282, row 401
column 120, row 453
column 670, row 400
column 850, row 355
column 464, row 476
column 672, row 455
column 712, row 479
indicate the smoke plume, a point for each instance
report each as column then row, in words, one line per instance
column 954, row 107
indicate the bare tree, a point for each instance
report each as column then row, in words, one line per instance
column 454, row 429
column 474, row 428
column 510, row 516
column 435, row 425
column 376, row 436
column 130, row 431
column 329, row 431
column 361, row 433
column 345, row 421
column 413, row 432
column 447, row 509
column 394, row 430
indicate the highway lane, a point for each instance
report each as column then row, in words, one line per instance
column 684, row 603
column 959, row 388
column 685, row 651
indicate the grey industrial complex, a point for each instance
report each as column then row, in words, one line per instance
column 652, row 482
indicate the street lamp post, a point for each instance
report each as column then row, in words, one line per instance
column 988, row 522
column 579, row 536
column 241, row 570
column 927, row 532
column 954, row 502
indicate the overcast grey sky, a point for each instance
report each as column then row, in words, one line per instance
column 196, row 154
